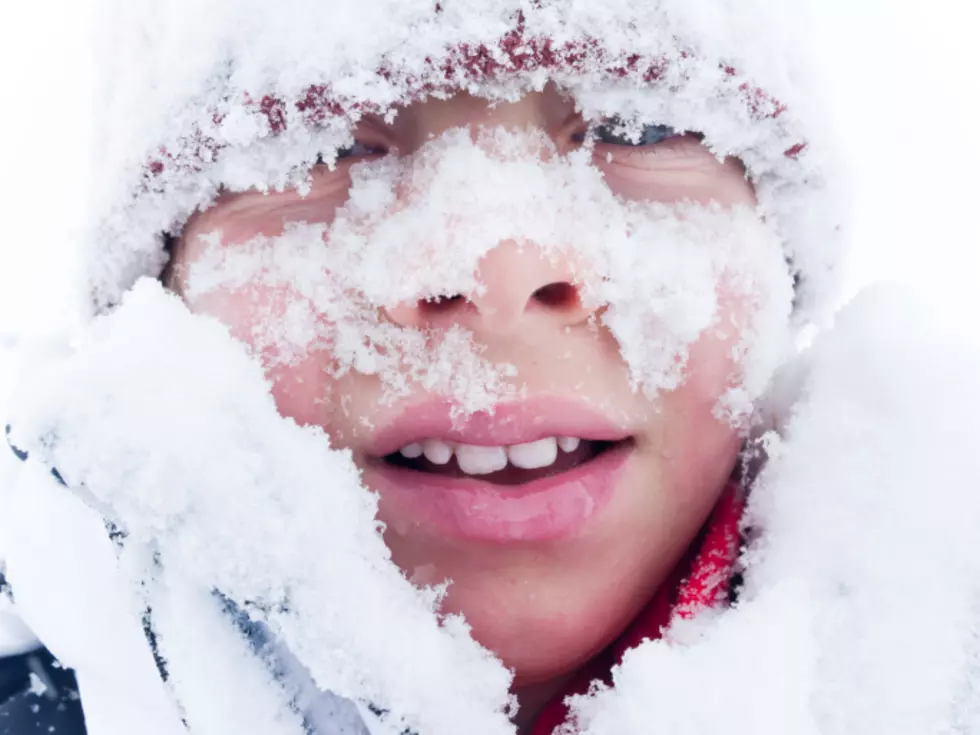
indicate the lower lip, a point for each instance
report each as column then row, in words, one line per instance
column 544, row 510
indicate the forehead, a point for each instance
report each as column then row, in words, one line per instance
column 549, row 109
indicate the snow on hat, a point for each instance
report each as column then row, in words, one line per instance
column 198, row 96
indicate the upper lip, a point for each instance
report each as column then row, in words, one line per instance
column 510, row 423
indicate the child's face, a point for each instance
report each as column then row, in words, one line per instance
column 547, row 564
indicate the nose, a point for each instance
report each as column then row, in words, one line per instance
column 520, row 288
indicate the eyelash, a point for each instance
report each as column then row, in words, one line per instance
column 614, row 132
column 352, row 151
column 610, row 132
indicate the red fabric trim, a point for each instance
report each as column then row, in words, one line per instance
column 701, row 580
column 514, row 52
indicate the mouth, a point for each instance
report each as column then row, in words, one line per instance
column 505, row 466
column 535, row 471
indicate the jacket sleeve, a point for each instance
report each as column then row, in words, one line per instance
column 38, row 695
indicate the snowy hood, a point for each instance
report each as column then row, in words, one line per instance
column 201, row 96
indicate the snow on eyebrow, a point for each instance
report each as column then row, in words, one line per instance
column 416, row 229
column 193, row 462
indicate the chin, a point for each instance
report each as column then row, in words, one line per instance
column 544, row 622
column 540, row 648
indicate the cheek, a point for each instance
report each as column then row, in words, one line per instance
column 713, row 365
column 695, row 448
column 299, row 371
column 702, row 182
column 695, row 436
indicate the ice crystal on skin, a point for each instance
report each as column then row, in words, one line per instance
column 658, row 268
column 195, row 497
column 662, row 286
column 859, row 610
column 324, row 311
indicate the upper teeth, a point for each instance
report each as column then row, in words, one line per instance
column 436, row 451
column 477, row 460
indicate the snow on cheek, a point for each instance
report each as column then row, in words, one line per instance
column 279, row 328
column 301, row 295
column 660, row 292
column 276, row 324
column 687, row 273
column 758, row 323
column 243, row 286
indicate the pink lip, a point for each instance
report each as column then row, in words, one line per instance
column 469, row 508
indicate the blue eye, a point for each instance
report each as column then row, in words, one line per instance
column 614, row 132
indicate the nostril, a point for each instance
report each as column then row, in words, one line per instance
column 441, row 304
column 559, row 295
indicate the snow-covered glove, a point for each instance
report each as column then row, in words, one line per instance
column 220, row 563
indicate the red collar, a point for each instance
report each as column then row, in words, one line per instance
column 701, row 580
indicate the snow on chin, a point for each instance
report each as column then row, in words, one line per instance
column 165, row 424
column 417, row 228
column 861, row 602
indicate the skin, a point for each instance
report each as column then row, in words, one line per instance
column 544, row 608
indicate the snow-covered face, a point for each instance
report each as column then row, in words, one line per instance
column 557, row 514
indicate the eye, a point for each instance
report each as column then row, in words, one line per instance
column 614, row 132
column 360, row 149
column 356, row 150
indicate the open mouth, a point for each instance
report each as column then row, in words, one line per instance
column 515, row 464
column 535, row 471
